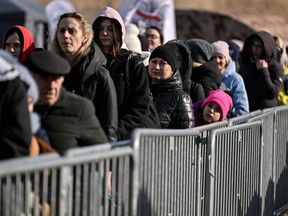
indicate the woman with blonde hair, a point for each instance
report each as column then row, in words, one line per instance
column 88, row 77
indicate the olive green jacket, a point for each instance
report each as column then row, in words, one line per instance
column 71, row 122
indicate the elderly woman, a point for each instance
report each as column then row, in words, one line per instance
column 88, row 77
column 173, row 105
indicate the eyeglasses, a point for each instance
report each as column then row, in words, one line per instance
column 151, row 36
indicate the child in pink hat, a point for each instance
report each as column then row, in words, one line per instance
column 213, row 109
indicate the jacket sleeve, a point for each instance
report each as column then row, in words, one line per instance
column 137, row 105
column 105, row 102
column 90, row 129
column 271, row 79
column 16, row 132
column 240, row 98
column 183, row 115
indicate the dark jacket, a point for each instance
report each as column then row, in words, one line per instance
column 262, row 85
column 89, row 78
column 195, row 90
column 15, row 135
column 71, row 122
column 174, row 106
column 208, row 75
column 133, row 95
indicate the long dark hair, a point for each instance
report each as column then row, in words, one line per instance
column 117, row 43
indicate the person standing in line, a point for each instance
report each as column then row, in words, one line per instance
column 184, row 65
column 204, row 65
column 232, row 80
column 213, row 109
column 154, row 37
column 15, row 136
column 135, row 106
column 262, row 73
column 173, row 105
column 69, row 119
column 88, row 77
column 19, row 42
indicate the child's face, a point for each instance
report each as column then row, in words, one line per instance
column 211, row 113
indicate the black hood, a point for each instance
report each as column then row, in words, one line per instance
column 270, row 50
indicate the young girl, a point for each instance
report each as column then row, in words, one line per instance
column 213, row 109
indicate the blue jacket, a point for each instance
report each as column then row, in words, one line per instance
column 235, row 84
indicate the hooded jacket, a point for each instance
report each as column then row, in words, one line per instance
column 262, row 85
column 130, row 80
column 90, row 78
column 235, row 84
column 15, row 136
column 174, row 106
column 26, row 39
column 208, row 75
column 195, row 90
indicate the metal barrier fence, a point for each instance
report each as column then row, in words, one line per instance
column 235, row 167
column 281, row 156
column 167, row 165
column 27, row 185
column 267, row 119
column 243, row 118
column 91, row 193
column 202, row 143
column 76, row 184
column 235, row 170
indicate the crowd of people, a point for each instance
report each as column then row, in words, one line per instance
column 97, row 82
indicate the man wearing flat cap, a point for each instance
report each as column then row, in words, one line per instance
column 69, row 119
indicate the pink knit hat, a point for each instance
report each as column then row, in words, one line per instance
column 221, row 47
column 222, row 99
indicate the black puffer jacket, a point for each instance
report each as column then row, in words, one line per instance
column 174, row 106
column 90, row 78
column 262, row 85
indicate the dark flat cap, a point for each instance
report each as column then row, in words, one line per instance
column 47, row 63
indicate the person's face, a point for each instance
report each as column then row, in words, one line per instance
column 70, row 35
column 179, row 62
column 13, row 45
column 221, row 62
column 211, row 113
column 49, row 88
column 106, row 36
column 159, row 70
column 152, row 38
column 257, row 49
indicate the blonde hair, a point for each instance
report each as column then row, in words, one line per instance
column 87, row 30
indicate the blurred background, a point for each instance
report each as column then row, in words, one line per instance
column 207, row 19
